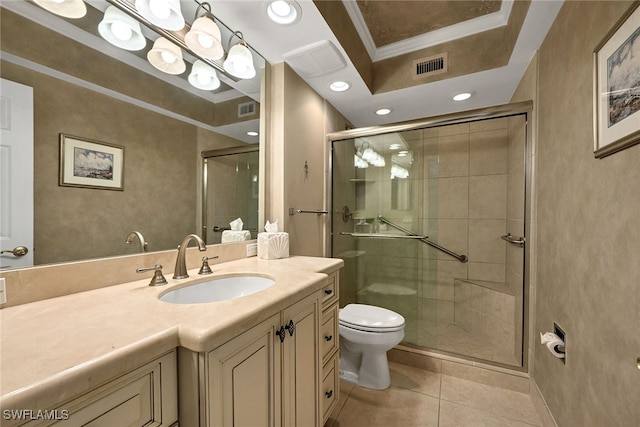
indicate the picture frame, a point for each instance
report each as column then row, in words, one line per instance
column 616, row 99
column 86, row 163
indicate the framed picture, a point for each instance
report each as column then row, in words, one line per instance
column 617, row 86
column 90, row 164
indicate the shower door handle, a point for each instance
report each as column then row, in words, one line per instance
column 514, row 241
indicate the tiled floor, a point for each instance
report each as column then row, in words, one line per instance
column 421, row 398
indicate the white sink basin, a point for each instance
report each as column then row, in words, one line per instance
column 220, row 289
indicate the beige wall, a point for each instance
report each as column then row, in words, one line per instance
column 159, row 168
column 297, row 159
column 586, row 233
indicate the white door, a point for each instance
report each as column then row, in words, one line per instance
column 16, row 175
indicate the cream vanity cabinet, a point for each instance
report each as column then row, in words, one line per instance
column 269, row 375
column 145, row 396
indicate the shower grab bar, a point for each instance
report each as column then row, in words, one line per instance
column 514, row 241
column 425, row 239
column 293, row 211
column 383, row 236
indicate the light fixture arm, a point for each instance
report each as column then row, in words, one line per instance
column 241, row 37
column 207, row 13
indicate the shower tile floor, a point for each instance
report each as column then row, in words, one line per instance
column 421, row 398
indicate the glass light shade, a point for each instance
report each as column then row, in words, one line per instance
column 239, row 62
column 166, row 57
column 203, row 76
column 284, row 12
column 369, row 155
column 67, row 8
column 121, row 30
column 163, row 13
column 204, row 38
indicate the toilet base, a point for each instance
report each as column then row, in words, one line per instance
column 372, row 373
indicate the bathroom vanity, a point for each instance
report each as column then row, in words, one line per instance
column 120, row 356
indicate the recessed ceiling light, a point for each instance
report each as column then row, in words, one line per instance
column 252, row 133
column 463, row 96
column 339, row 86
column 284, row 12
column 383, row 111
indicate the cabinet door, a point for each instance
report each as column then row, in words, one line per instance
column 301, row 364
column 241, row 378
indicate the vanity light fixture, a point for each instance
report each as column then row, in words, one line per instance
column 339, row 86
column 383, row 111
column 284, row 12
column 239, row 62
column 121, row 30
column 369, row 155
column 204, row 36
column 403, row 153
column 359, row 163
column 203, row 76
column 166, row 57
column 378, row 161
column 66, row 8
column 252, row 133
column 395, row 146
column 163, row 13
column 463, row 96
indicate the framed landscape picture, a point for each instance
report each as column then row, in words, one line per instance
column 90, row 164
column 617, row 87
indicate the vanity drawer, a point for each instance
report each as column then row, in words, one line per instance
column 329, row 331
column 330, row 387
column 146, row 396
column 330, row 291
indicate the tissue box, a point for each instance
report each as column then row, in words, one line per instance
column 273, row 245
column 235, row 236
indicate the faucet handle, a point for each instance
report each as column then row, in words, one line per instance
column 205, row 269
column 157, row 279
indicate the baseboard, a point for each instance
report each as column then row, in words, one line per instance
column 541, row 406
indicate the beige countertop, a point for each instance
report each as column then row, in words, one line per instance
column 53, row 349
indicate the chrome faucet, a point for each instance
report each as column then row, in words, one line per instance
column 180, row 271
column 143, row 243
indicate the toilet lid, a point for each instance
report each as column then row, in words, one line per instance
column 370, row 318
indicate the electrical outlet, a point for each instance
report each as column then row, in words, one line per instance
column 252, row 249
column 3, row 291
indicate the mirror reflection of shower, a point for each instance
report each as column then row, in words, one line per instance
column 230, row 194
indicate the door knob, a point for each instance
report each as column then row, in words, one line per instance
column 17, row 251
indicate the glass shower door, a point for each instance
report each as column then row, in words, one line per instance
column 456, row 191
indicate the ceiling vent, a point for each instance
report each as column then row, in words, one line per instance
column 316, row 59
column 247, row 109
column 425, row 67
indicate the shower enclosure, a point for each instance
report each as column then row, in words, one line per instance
column 430, row 221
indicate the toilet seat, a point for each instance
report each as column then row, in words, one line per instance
column 370, row 318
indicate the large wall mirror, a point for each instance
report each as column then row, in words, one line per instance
column 90, row 90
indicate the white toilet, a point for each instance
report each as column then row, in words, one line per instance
column 366, row 334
